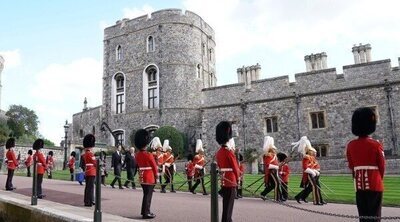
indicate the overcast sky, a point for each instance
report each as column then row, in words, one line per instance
column 54, row 49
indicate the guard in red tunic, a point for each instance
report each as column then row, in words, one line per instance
column 12, row 163
column 199, row 162
column 71, row 164
column 40, row 165
column 228, row 168
column 50, row 164
column 90, row 169
column 271, row 167
column 147, row 171
column 169, row 167
column 308, row 181
column 367, row 163
column 28, row 163
column 284, row 172
column 189, row 169
column 242, row 168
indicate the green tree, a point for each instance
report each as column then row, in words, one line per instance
column 22, row 121
column 4, row 131
column 174, row 136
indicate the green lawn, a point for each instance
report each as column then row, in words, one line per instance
column 341, row 185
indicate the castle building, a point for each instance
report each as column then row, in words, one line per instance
column 160, row 70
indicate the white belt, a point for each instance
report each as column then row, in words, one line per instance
column 225, row 169
column 89, row 164
column 145, row 168
column 39, row 164
column 366, row 168
column 11, row 161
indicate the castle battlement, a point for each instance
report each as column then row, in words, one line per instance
column 165, row 16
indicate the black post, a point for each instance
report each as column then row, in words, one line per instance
column 297, row 101
column 214, row 193
column 97, row 207
column 34, row 183
column 388, row 89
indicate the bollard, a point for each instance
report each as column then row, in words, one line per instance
column 214, row 192
column 34, row 182
column 97, row 206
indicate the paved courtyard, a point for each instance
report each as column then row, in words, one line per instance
column 179, row 206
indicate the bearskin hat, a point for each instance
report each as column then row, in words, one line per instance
column 166, row 146
column 199, row 146
column 240, row 157
column 223, row 132
column 51, row 153
column 73, row 154
column 88, row 141
column 363, row 122
column 30, row 152
column 38, row 144
column 281, row 156
column 141, row 139
column 190, row 157
column 10, row 143
column 155, row 143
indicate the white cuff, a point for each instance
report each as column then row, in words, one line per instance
column 310, row 171
column 198, row 167
column 273, row 167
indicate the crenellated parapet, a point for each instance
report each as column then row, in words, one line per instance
column 157, row 18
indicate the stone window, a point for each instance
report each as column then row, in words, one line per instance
column 211, row 54
column 318, row 120
column 271, row 124
column 119, row 93
column 150, row 44
column 322, row 149
column 118, row 53
column 203, row 49
column 81, row 134
column 120, row 135
column 211, row 80
column 198, row 71
column 150, row 89
column 93, row 130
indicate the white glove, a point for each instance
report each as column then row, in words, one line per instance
column 198, row 167
column 317, row 173
column 273, row 167
column 311, row 172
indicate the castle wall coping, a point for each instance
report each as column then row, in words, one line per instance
column 222, row 87
column 315, row 72
column 88, row 110
column 366, row 64
column 271, row 79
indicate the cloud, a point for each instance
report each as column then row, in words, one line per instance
column 12, row 58
column 136, row 12
column 59, row 88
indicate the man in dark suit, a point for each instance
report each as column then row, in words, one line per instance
column 131, row 166
column 116, row 163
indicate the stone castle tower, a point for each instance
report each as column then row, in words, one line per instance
column 1, row 70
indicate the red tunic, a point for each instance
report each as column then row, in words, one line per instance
column 12, row 162
column 228, row 167
column 90, row 163
column 367, row 162
column 29, row 161
column 40, row 162
column 147, row 167
column 269, row 159
column 50, row 162
column 200, row 161
column 189, row 167
column 159, row 157
column 71, row 162
column 284, row 172
column 307, row 163
column 168, row 158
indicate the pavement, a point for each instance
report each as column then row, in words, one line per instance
column 124, row 205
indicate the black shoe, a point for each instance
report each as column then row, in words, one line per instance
column 93, row 203
column 112, row 185
column 80, row 183
column 9, row 189
column 163, row 191
column 173, row 191
column 41, row 196
column 149, row 216
column 205, row 194
column 134, row 188
column 88, row 205
column 121, row 188
column 264, row 198
column 239, row 196
column 297, row 199
column 304, row 200
column 323, row 202
column 126, row 186
column 318, row 204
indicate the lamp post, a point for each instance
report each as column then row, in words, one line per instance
column 66, row 126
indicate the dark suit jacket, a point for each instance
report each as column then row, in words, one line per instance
column 130, row 164
column 116, row 162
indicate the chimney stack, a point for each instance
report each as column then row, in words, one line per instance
column 361, row 53
column 85, row 105
column 316, row 62
column 246, row 74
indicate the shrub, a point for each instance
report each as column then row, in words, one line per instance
column 175, row 139
column 250, row 155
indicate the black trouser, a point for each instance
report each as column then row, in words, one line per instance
column 103, row 179
column 117, row 173
column 313, row 187
column 228, row 198
column 10, row 174
column 130, row 177
column 239, row 189
column 369, row 203
column 160, row 174
column 273, row 184
column 146, row 201
column 284, row 190
column 200, row 178
column 49, row 174
column 189, row 180
column 89, row 191
column 169, row 177
column 71, row 171
column 28, row 171
column 39, row 185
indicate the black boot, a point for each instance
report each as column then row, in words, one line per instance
column 163, row 189
column 172, row 189
column 133, row 185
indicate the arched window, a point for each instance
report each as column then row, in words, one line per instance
column 118, row 53
column 150, row 87
column 198, row 71
column 119, row 93
column 150, row 44
column 211, row 80
column 120, row 136
column 211, row 54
